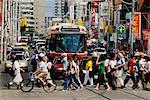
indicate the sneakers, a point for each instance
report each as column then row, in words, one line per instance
column 64, row 90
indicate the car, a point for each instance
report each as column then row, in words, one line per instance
column 40, row 43
column 35, row 37
column 22, row 61
column 24, row 45
column 16, row 49
column 24, row 39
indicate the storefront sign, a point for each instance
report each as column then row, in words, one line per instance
column 136, row 29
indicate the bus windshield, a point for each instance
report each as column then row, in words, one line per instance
column 71, row 43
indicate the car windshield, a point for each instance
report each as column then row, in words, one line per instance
column 20, row 45
column 70, row 43
column 17, row 49
column 20, row 57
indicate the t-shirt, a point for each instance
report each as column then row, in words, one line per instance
column 142, row 63
column 147, row 66
column 89, row 65
column 112, row 64
column 43, row 66
column 121, row 61
column 102, row 67
column 131, row 66
column 65, row 63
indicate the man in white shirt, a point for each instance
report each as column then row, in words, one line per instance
column 42, row 69
column 64, row 61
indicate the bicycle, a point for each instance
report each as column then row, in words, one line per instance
column 27, row 85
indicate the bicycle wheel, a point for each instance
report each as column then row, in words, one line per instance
column 48, row 87
column 26, row 85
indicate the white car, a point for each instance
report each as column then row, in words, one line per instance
column 24, row 45
column 24, row 39
column 22, row 61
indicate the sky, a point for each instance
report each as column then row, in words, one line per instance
column 50, row 7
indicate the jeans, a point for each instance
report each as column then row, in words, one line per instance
column 87, row 77
column 132, row 76
column 69, row 80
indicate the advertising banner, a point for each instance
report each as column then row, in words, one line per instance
column 136, row 29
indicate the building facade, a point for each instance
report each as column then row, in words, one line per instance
column 39, row 13
column 59, row 8
column 27, row 11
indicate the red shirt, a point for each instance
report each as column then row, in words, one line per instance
column 131, row 66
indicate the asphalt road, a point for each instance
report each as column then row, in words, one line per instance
column 88, row 93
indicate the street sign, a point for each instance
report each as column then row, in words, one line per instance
column 116, row 18
column 121, row 29
column 128, row 15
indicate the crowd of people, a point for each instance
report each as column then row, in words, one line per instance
column 107, row 70
column 112, row 71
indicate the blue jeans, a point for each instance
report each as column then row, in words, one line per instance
column 69, row 80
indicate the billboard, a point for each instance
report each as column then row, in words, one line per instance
column 136, row 29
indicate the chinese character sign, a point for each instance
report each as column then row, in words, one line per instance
column 136, row 29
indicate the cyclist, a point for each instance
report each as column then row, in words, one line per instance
column 42, row 70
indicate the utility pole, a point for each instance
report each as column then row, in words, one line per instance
column 131, row 26
column 5, row 29
column 99, row 21
column 89, row 18
column 19, row 18
column 108, row 25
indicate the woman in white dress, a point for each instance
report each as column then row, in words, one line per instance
column 18, row 78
